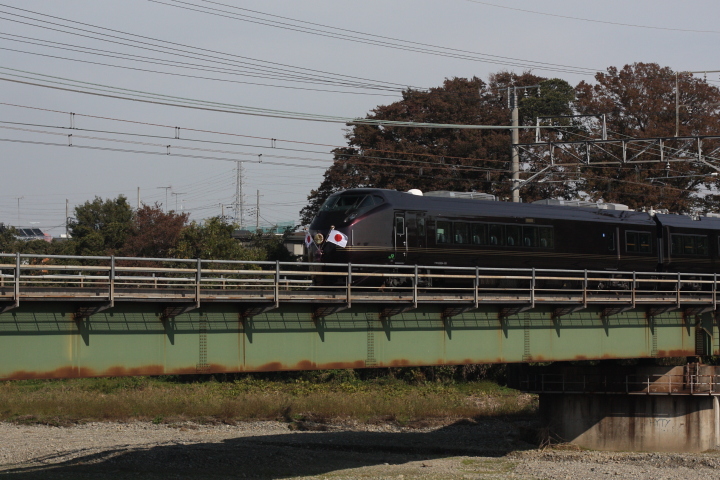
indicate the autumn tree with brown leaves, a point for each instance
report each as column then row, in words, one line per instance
column 639, row 102
column 154, row 233
column 440, row 158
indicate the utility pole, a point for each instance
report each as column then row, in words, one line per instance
column 513, row 103
column 67, row 218
column 166, row 196
column 18, row 200
column 514, row 140
column 239, row 207
column 176, row 198
column 257, row 212
column 138, row 199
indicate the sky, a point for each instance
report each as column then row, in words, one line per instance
column 168, row 95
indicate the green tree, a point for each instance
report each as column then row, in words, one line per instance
column 639, row 102
column 101, row 227
column 440, row 158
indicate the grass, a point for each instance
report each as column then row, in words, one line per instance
column 332, row 398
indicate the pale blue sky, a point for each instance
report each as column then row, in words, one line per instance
column 45, row 175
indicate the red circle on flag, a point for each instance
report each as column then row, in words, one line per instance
column 338, row 237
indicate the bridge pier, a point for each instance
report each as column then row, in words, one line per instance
column 646, row 408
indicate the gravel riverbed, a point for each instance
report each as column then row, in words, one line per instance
column 484, row 449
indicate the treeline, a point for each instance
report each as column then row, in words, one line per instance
column 112, row 227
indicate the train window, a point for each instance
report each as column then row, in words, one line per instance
column 421, row 226
column 609, row 240
column 442, row 232
column 399, row 225
column 689, row 244
column 478, row 232
column 513, row 235
column 530, row 236
column 637, row 242
column 496, row 234
column 460, row 232
column 545, row 237
column 355, row 204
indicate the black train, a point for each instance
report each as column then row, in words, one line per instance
column 466, row 229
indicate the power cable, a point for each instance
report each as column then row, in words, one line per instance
column 567, row 17
column 370, row 38
column 176, row 47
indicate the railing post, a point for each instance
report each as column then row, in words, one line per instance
column 277, row 283
column 349, row 285
column 415, row 287
column 714, row 292
column 16, row 292
column 585, row 285
column 112, row 281
column 632, row 292
column 477, row 286
column 532, row 289
column 678, row 289
column 198, row 280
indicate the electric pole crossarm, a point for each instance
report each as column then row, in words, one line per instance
column 529, row 180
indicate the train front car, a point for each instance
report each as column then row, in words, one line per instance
column 352, row 226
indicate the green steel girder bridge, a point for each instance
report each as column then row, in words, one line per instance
column 63, row 317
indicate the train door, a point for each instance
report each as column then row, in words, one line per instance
column 400, row 233
column 416, row 237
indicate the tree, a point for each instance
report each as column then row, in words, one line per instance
column 154, row 233
column 639, row 102
column 212, row 240
column 101, row 227
column 438, row 158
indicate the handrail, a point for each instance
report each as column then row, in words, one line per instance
column 38, row 276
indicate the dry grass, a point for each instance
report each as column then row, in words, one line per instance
column 167, row 401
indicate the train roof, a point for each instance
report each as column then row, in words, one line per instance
column 684, row 221
column 454, row 206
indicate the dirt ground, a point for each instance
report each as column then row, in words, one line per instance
column 490, row 448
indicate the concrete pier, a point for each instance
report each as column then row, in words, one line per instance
column 669, row 423
column 639, row 408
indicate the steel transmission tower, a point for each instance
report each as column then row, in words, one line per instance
column 239, row 208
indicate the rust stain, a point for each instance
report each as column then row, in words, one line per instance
column 120, row 371
column 269, row 367
column 676, row 353
column 62, row 372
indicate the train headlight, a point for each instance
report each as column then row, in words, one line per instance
column 318, row 238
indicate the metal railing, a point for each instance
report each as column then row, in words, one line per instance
column 35, row 277
column 634, row 384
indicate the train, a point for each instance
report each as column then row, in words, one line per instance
column 389, row 227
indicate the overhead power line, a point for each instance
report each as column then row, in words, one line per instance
column 592, row 20
column 366, row 38
column 215, row 57
column 77, row 86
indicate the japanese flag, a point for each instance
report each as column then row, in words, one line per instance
column 308, row 239
column 337, row 238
